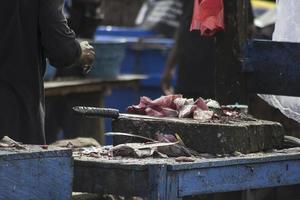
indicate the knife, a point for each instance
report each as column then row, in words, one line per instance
column 97, row 112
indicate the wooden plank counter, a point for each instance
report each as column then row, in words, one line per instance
column 71, row 86
column 62, row 95
column 166, row 179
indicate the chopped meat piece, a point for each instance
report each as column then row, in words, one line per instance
column 165, row 137
column 212, row 104
column 180, row 102
column 157, row 111
column 152, row 112
column 166, row 101
column 230, row 112
column 168, row 112
column 200, row 103
column 190, row 101
column 175, row 106
column 137, row 110
column 187, row 111
column 203, row 115
column 161, row 107
column 145, row 101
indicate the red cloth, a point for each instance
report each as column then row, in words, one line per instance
column 208, row 16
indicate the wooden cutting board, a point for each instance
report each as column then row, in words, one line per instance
column 245, row 136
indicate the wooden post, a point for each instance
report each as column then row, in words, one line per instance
column 230, row 84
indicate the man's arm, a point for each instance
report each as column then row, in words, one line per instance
column 58, row 40
column 169, row 70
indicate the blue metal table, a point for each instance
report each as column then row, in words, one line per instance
column 168, row 179
column 33, row 172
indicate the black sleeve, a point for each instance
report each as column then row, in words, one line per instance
column 58, row 40
column 250, row 13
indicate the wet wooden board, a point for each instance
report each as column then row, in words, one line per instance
column 160, row 179
column 34, row 173
column 216, row 138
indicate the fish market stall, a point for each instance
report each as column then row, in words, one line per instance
column 152, row 171
column 187, row 148
column 165, row 153
column 169, row 178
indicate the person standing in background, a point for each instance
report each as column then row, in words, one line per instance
column 195, row 56
column 31, row 31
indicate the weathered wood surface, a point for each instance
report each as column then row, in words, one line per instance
column 36, row 174
column 158, row 178
column 217, row 138
column 64, row 87
column 142, row 164
column 272, row 67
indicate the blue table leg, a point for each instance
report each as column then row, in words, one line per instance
column 157, row 182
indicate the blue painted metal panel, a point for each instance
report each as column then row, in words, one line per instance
column 45, row 179
column 272, row 67
column 239, row 177
column 157, row 182
column 251, row 159
column 172, row 187
column 151, row 177
column 36, row 175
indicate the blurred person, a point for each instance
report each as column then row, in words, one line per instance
column 30, row 32
column 195, row 56
column 84, row 16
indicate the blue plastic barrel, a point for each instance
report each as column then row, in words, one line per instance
column 123, row 31
column 147, row 56
column 110, row 53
